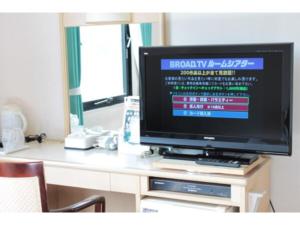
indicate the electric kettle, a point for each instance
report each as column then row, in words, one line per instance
column 12, row 117
column 13, row 126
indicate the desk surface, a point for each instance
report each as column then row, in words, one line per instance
column 54, row 155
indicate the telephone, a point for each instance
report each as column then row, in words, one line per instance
column 107, row 141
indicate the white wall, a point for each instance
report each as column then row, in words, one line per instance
column 195, row 29
column 30, row 70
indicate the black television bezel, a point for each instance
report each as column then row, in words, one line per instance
column 228, row 146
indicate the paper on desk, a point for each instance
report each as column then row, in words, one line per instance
column 133, row 149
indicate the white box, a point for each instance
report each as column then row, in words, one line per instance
column 151, row 204
column 80, row 141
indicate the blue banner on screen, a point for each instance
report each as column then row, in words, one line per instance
column 212, row 114
column 213, row 64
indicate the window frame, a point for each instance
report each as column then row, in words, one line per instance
column 127, row 76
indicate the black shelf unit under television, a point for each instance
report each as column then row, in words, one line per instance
column 217, row 98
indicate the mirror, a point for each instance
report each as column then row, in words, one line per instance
column 102, row 65
column 99, row 73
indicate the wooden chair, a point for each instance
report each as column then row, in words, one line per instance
column 23, row 189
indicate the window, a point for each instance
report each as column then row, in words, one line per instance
column 105, row 65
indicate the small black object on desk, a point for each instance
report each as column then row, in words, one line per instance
column 39, row 138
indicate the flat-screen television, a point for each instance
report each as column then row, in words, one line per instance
column 218, row 97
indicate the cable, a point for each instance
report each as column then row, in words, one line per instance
column 271, row 204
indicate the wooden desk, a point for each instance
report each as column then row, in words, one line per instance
column 107, row 171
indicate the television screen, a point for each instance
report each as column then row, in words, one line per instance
column 221, row 97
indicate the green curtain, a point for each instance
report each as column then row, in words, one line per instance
column 146, row 29
column 74, row 71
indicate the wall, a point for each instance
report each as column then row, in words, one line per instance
column 195, row 29
column 30, row 70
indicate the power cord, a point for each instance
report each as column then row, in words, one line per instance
column 271, row 204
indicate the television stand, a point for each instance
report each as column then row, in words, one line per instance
column 193, row 155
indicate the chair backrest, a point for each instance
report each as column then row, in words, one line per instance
column 22, row 187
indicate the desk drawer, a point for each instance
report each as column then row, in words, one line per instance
column 125, row 183
column 77, row 178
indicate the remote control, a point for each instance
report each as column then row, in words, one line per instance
column 218, row 162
